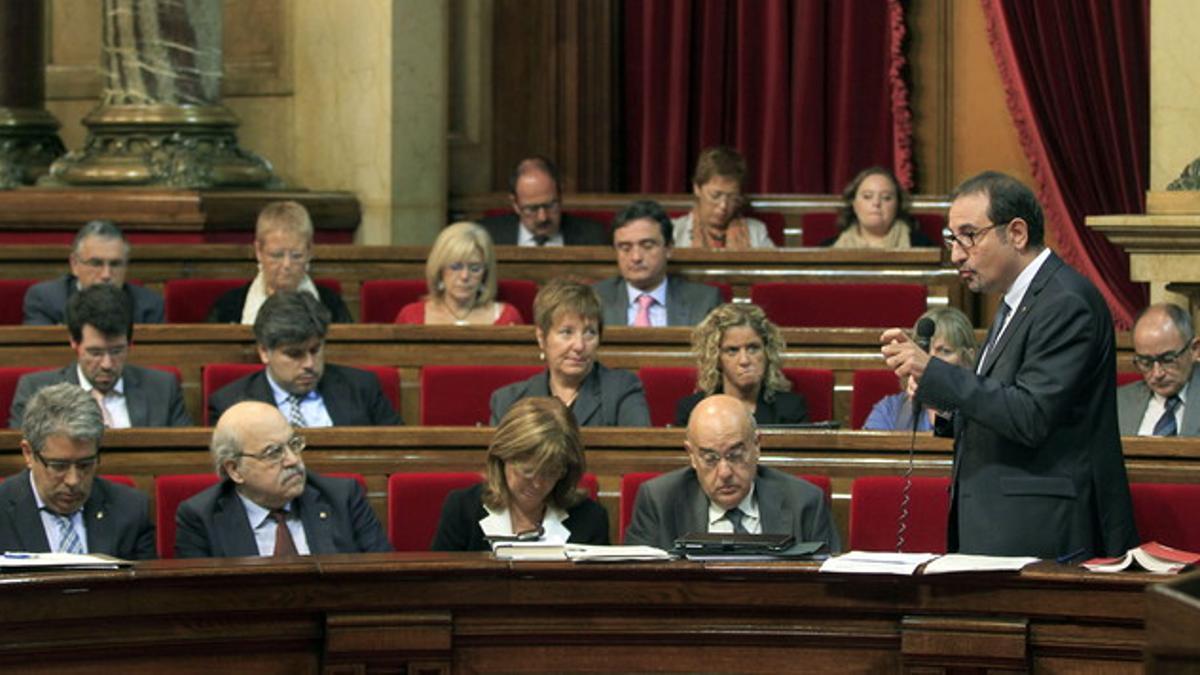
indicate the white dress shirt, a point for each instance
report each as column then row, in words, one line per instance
column 498, row 523
column 717, row 522
column 525, row 237
column 658, row 311
column 50, row 521
column 312, row 406
column 1155, row 409
column 114, row 401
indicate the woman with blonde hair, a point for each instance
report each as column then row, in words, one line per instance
column 739, row 352
column 461, row 275
column 534, row 465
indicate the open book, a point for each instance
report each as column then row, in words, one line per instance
column 1151, row 556
column 537, row 551
column 882, row 562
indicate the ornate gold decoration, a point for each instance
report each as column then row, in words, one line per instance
column 28, row 144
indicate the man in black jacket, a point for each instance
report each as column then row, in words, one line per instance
column 537, row 218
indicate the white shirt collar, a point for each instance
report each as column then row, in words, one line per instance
column 659, row 293
column 255, row 513
column 1016, row 292
column 748, row 506
column 497, row 523
column 525, row 237
column 281, row 395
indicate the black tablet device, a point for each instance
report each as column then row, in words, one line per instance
column 715, row 542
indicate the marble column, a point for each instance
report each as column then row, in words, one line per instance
column 28, row 133
column 160, row 120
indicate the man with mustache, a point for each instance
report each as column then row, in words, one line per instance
column 266, row 503
column 100, row 324
column 1038, row 469
column 643, row 294
column 58, row 504
column 290, row 331
column 725, row 490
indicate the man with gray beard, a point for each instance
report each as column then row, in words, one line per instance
column 266, row 503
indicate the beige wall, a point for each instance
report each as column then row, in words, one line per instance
column 1174, row 89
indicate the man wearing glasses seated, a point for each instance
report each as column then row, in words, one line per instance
column 59, row 504
column 100, row 326
column 266, row 503
column 537, row 218
column 1165, row 349
column 725, row 490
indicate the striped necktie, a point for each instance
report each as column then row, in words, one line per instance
column 1166, row 426
column 68, row 538
column 295, row 417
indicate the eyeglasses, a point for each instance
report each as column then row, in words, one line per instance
column 60, row 467
column 966, row 239
column 1146, row 363
column 715, row 198
column 100, row 352
column 732, row 458
column 473, row 268
column 273, row 454
column 532, row 210
column 293, row 256
column 100, row 263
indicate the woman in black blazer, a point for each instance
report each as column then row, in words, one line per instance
column 738, row 353
column 534, row 465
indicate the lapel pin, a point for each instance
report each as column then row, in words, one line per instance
column 323, row 515
column 99, row 515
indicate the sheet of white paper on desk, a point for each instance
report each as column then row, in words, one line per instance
column 64, row 561
column 877, row 562
column 961, row 562
column 586, row 553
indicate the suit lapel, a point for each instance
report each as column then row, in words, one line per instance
column 771, row 510
column 26, row 519
column 587, row 402
column 136, row 402
column 232, row 526
column 333, row 395
column 1016, row 324
column 677, row 308
column 100, row 534
column 1130, row 416
column 691, row 512
column 315, row 515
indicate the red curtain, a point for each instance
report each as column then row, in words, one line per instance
column 1076, row 75
column 810, row 91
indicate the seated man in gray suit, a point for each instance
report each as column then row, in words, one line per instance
column 100, row 255
column 1165, row 350
column 58, row 504
column 101, row 330
column 725, row 490
column 537, row 218
column 643, row 294
column 266, row 503
column 290, row 330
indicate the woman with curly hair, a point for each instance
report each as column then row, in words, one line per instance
column 738, row 352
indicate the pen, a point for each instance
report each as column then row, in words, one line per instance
column 1066, row 559
column 10, row 555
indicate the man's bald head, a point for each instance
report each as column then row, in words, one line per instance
column 1165, row 348
column 722, row 444
column 255, row 447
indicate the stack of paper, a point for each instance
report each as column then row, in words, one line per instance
column 877, row 562
column 60, row 561
column 584, row 553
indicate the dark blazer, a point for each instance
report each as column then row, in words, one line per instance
column 352, row 397
column 1133, row 398
column 459, row 530
column 117, row 519
column 152, row 396
column 608, row 398
column 575, row 231
column 46, row 302
column 673, row 504
column 334, row 511
column 788, row 407
column 1038, row 468
column 228, row 307
column 687, row 302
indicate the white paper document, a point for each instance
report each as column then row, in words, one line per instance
column 584, row 553
column 66, row 561
column 961, row 562
column 877, row 562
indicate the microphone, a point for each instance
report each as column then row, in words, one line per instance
column 924, row 335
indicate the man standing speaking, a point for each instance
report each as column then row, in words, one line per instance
column 1038, row 468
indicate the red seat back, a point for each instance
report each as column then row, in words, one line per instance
column 816, row 385
column 775, row 223
column 380, row 300
column 869, row 387
column 190, row 300
column 213, row 376
column 840, row 305
column 119, row 479
column 821, row 226
column 664, row 386
column 169, row 493
column 461, row 395
column 12, row 301
column 875, row 513
column 725, row 289
column 1124, row 378
column 9, row 377
column 1168, row 513
column 389, row 381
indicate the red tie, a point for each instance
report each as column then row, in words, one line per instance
column 642, row 318
column 284, row 546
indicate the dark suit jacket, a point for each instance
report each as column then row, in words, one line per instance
column 787, row 408
column 152, row 396
column 352, row 397
column 1038, row 468
column 46, row 302
column 687, row 302
column 1133, row 398
column 117, row 519
column 575, row 231
column 459, row 530
column 228, row 307
column 673, row 504
column 608, row 398
column 334, row 511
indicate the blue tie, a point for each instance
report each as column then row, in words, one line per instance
column 68, row 538
column 1165, row 426
column 735, row 516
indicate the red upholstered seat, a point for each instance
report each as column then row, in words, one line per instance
column 12, row 300
column 838, row 305
column 875, row 511
column 816, row 385
column 169, row 493
column 8, row 386
column 869, row 387
column 1168, row 513
column 1127, row 378
column 380, row 300
column 190, row 300
column 415, row 504
column 461, row 395
column 821, row 226
column 664, row 387
column 725, row 289
column 213, row 376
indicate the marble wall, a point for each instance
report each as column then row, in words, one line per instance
column 1174, row 89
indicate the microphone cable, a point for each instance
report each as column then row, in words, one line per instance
column 924, row 334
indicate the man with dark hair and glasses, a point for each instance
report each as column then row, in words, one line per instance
column 59, row 504
column 100, row 329
column 725, row 489
column 537, row 218
column 1165, row 350
column 266, row 503
column 1038, row 468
